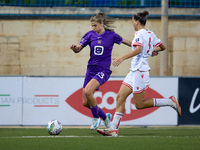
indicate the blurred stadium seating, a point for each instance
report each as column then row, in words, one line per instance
column 78, row 8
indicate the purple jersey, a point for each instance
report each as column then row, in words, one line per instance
column 100, row 46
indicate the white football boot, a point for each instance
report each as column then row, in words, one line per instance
column 175, row 105
column 108, row 132
column 107, row 121
column 95, row 123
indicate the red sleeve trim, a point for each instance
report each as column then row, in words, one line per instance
column 137, row 44
column 158, row 44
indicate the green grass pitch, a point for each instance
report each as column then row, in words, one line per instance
column 138, row 138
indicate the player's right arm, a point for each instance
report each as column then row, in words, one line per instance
column 126, row 42
column 76, row 48
column 117, row 61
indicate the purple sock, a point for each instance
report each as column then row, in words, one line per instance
column 102, row 114
column 94, row 111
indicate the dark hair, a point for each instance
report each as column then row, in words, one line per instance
column 103, row 18
column 141, row 17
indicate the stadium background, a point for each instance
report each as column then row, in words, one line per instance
column 35, row 35
column 35, row 38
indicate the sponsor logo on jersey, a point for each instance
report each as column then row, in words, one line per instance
column 99, row 42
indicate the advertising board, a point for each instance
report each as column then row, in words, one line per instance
column 41, row 99
column 189, row 97
column 10, row 104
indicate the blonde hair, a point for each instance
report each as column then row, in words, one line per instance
column 103, row 18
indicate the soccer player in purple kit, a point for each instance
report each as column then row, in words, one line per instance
column 101, row 40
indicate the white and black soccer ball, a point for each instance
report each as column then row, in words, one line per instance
column 54, row 127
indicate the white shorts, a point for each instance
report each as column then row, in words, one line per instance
column 137, row 81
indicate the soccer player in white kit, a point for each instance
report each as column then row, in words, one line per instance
column 137, row 80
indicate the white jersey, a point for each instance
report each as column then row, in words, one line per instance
column 146, row 39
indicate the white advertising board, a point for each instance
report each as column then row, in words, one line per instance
column 10, row 105
column 49, row 98
column 44, row 100
column 37, row 100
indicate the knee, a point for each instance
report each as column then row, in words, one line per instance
column 85, row 100
column 119, row 99
column 88, row 92
column 138, row 105
column 85, row 104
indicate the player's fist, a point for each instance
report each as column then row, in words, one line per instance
column 73, row 47
column 154, row 53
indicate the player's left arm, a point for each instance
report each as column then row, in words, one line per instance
column 126, row 42
column 158, row 49
column 119, row 60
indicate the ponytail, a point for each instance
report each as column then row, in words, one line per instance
column 141, row 17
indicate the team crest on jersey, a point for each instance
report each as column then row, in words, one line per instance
column 82, row 39
column 99, row 42
column 136, row 40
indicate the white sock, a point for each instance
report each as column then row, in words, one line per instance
column 162, row 102
column 116, row 120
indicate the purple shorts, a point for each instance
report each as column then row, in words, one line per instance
column 98, row 73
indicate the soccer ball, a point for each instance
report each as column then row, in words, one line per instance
column 54, row 127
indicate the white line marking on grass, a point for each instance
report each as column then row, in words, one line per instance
column 70, row 136
column 73, row 136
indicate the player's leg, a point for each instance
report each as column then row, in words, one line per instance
column 96, row 111
column 89, row 94
column 106, row 117
column 89, row 75
column 141, row 84
column 123, row 93
column 86, row 104
column 171, row 101
column 141, row 103
column 85, row 101
column 157, row 102
column 141, row 80
column 89, row 87
column 102, row 76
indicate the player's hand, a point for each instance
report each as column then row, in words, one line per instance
column 154, row 53
column 73, row 47
column 117, row 61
